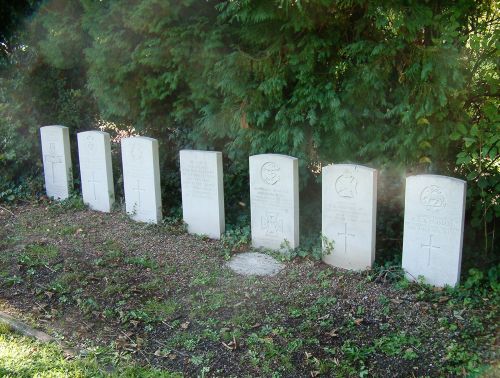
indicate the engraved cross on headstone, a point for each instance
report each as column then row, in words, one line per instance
column 345, row 234
column 93, row 181
column 429, row 247
column 138, row 189
column 53, row 159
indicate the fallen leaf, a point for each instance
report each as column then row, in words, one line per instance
column 185, row 325
column 332, row 333
column 458, row 314
column 159, row 353
column 358, row 321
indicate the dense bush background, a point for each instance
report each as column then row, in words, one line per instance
column 403, row 86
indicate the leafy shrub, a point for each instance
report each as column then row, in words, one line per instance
column 407, row 89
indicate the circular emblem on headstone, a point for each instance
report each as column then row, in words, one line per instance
column 270, row 173
column 90, row 143
column 52, row 148
column 136, row 151
column 432, row 198
column 346, row 186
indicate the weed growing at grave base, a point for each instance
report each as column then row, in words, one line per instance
column 175, row 225
column 235, row 239
column 73, row 202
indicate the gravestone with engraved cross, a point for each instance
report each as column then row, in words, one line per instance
column 202, row 192
column 349, row 208
column 433, row 228
column 94, row 152
column 274, row 201
column 56, row 161
column 141, row 179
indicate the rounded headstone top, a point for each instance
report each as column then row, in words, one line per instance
column 53, row 127
column 88, row 132
column 434, row 177
column 275, row 156
column 356, row 167
column 140, row 138
column 199, row 151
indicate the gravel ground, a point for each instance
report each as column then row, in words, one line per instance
column 165, row 298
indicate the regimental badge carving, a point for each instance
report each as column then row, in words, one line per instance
column 90, row 143
column 270, row 173
column 432, row 198
column 272, row 224
column 136, row 151
column 346, row 185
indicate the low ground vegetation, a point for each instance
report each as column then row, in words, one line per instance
column 158, row 298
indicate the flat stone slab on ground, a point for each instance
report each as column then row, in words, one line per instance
column 254, row 264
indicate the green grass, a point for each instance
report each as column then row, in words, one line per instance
column 160, row 310
column 36, row 255
column 24, row 357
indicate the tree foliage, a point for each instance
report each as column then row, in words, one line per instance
column 402, row 85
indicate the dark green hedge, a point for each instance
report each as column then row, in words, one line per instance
column 403, row 86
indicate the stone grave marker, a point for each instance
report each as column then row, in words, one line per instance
column 202, row 192
column 94, row 152
column 141, row 179
column 56, row 161
column 349, row 210
column 433, row 228
column 254, row 264
column 274, row 201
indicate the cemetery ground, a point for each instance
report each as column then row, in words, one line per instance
column 132, row 299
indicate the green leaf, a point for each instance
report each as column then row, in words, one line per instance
column 472, row 175
column 462, row 129
column 423, row 121
column 469, row 141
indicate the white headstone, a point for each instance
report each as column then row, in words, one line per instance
column 202, row 192
column 349, row 210
column 94, row 152
column 274, row 200
column 433, row 228
column 141, row 179
column 56, row 161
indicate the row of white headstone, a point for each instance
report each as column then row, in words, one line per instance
column 434, row 205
